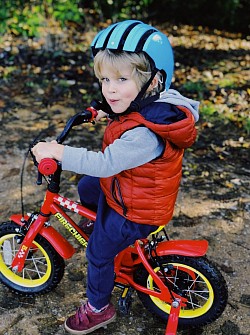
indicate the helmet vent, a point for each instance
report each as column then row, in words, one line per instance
column 107, row 39
column 94, row 50
column 125, row 35
column 143, row 39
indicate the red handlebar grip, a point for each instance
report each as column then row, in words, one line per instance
column 93, row 111
column 47, row 166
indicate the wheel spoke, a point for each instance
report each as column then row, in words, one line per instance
column 40, row 273
column 190, row 301
column 29, row 271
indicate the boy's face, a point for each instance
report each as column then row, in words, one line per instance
column 119, row 89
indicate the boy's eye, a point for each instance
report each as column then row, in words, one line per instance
column 122, row 79
column 104, row 79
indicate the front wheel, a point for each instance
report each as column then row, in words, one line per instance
column 43, row 268
column 196, row 279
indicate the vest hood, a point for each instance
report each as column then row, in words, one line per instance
column 173, row 123
column 175, row 98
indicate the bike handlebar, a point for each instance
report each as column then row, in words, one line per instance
column 88, row 115
column 48, row 166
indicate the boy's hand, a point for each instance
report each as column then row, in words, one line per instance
column 48, row 150
column 100, row 115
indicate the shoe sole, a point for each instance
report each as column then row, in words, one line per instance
column 87, row 331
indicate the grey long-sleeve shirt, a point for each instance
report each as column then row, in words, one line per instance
column 134, row 148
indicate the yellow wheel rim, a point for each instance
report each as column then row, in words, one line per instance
column 37, row 268
column 199, row 293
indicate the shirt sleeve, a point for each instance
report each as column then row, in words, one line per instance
column 135, row 147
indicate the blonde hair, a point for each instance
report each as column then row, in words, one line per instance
column 138, row 62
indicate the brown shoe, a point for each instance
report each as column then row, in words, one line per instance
column 86, row 225
column 86, row 321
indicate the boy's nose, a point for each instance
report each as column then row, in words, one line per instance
column 112, row 87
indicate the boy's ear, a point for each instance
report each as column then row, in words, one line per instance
column 154, row 83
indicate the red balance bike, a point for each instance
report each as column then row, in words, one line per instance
column 173, row 279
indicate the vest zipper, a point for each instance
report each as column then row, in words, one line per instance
column 116, row 186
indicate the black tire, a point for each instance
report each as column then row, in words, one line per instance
column 197, row 279
column 43, row 269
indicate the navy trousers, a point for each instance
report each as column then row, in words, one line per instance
column 112, row 233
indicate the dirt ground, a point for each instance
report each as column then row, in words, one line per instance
column 213, row 204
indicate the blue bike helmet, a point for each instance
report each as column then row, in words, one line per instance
column 136, row 36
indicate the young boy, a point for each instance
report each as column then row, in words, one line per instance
column 133, row 182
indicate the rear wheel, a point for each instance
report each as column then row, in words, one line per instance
column 197, row 280
column 43, row 269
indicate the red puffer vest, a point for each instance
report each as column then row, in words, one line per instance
column 147, row 194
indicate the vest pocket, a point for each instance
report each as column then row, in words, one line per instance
column 117, row 195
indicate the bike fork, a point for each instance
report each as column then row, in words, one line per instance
column 173, row 318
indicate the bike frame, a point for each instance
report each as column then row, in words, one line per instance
column 125, row 263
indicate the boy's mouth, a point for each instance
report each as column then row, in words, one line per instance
column 112, row 101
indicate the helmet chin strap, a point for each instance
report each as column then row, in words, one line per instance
column 139, row 102
column 138, row 105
